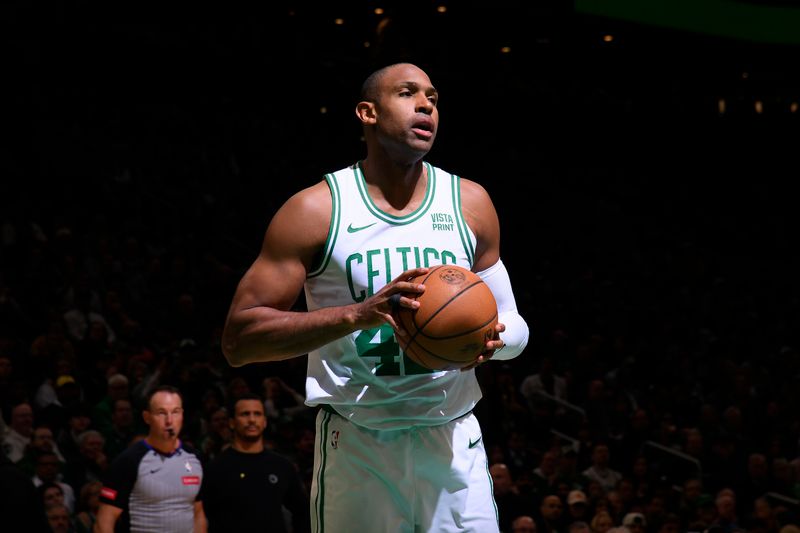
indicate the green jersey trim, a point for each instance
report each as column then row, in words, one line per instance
column 333, row 229
column 358, row 171
column 463, row 232
column 319, row 505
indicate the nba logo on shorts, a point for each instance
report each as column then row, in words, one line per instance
column 335, row 439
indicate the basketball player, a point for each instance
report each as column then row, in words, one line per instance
column 398, row 448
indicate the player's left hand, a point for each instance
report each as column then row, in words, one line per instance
column 493, row 345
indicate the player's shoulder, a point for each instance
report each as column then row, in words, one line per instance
column 311, row 196
column 473, row 194
column 308, row 201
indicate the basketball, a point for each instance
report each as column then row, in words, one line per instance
column 457, row 315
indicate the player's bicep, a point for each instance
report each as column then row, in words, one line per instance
column 480, row 214
column 270, row 282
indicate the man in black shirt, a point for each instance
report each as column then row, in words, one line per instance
column 247, row 487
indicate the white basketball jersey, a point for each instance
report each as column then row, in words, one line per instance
column 364, row 375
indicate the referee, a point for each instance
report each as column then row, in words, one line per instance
column 153, row 486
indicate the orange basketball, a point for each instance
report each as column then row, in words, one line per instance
column 456, row 317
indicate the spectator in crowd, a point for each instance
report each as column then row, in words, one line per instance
column 41, row 441
column 755, row 482
column 154, row 484
column 7, row 384
column 91, row 463
column 551, row 517
column 727, row 519
column 117, row 389
column 523, row 524
column 616, row 505
column 506, row 495
column 50, row 494
column 46, row 391
column 69, row 393
column 123, row 427
column 78, row 420
column 59, row 519
column 19, row 432
column 281, row 402
column 20, row 504
column 83, row 311
column 635, row 522
column 599, row 470
column 47, row 469
column 546, row 382
column 246, row 486
column 546, row 475
column 218, row 436
column 577, row 506
column 689, row 498
column 671, row 523
column 601, row 522
column 579, row 527
column 88, row 504
column 48, row 347
column 198, row 422
column 237, row 386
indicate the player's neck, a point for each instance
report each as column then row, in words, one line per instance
column 248, row 447
column 393, row 187
column 384, row 171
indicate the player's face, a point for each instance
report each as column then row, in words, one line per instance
column 406, row 112
column 249, row 421
column 165, row 415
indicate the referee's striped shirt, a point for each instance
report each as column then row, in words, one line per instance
column 156, row 492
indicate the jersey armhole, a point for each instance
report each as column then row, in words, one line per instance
column 321, row 262
column 463, row 229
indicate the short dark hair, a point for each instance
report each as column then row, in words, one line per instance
column 370, row 88
column 245, row 396
column 40, row 454
column 161, row 388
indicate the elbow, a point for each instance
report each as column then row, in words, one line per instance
column 233, row 354
column 232, row 350
column 515, row 337
column 233, row 359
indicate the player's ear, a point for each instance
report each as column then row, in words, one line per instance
column 365, row 111
column 146, row 416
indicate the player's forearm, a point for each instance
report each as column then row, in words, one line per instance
column 262, row 334
column 516, row 334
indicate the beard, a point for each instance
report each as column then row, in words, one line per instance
column 249, row 438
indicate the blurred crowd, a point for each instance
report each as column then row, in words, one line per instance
column 658, row 391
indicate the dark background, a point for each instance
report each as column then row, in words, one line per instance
column 630, row 205
column 649, row 235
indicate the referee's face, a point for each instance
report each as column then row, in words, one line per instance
column 164, row 415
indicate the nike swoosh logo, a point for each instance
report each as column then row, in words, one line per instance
column 157, row 469
column 351, row 229
column 473, row 444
